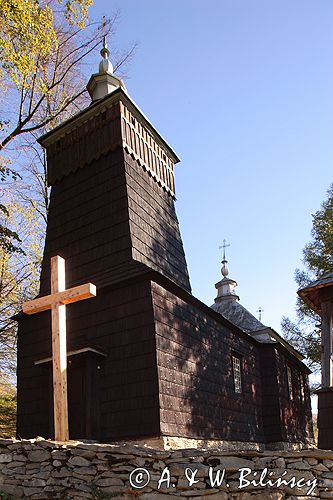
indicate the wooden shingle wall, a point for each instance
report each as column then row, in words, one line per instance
column 119, row 323
column 197, row 395
column 270, row 394
column 88, row 224
column 154, row 229
column 33, row 384
column 296, row 418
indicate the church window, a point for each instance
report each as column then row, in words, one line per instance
column 290, row 383
column 302, row 389
column 237, row 371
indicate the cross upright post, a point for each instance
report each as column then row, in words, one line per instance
column 57, row 301
column 59, row 350
column 224, row 246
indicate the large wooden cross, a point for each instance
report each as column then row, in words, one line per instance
column 57, row 301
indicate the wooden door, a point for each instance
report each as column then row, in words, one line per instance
column 83, row 398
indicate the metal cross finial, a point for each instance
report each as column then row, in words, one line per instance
column 260, row 311
column 224, row 246
column 105, row 51
column 224, row 270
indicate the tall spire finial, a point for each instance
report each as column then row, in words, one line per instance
column 105, row 65
column 104, row 51
column 224, row 269
column 104, row 82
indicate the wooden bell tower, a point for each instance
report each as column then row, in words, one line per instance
column 112, row 218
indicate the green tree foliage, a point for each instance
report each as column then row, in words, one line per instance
column 8, row 239
column 304, row 333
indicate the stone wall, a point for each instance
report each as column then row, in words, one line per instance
column 40, row 469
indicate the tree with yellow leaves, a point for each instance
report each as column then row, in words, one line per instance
column 43, row 45
column 19, row 275
column 34, row 40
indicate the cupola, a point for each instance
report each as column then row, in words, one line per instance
column 225, row 287
column 104, row 82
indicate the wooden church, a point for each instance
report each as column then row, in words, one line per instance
column 146, row 359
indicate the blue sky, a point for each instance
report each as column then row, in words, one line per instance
column 242, row 91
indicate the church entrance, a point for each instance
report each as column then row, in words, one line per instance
column 83, row 373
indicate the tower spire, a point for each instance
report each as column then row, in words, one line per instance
column 104, row 50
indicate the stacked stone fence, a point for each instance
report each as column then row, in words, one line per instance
column 41, row 469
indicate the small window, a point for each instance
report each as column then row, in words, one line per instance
column 301, row 388
column 237, row 371
column 290, row 383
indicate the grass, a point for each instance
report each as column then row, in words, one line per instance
column 7, row 416
column 5, row 496
column 101, row 495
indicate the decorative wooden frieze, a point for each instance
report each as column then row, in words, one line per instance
column 139, row 143
column 85, row 142
column 108, row 124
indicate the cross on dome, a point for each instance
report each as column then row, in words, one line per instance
column 225, row 287
column 224, row 269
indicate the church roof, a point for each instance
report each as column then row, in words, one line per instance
column 227, row 304
column 238, row 315
column 323, row 281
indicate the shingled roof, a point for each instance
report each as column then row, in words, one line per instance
column 227, row 304
column 238, row 315
column 310, row 293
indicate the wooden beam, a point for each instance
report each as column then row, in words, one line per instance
column 59, row 369
column 59, row 351
column 74, row 294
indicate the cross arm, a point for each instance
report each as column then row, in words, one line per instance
column 74, row 294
